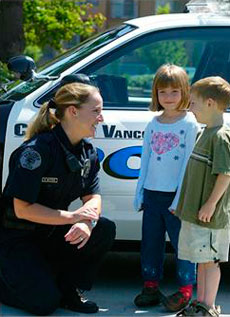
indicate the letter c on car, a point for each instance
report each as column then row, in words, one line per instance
column 20, row 129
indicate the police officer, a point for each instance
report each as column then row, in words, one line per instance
column 47, row 253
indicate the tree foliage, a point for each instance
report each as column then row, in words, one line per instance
column 50, row 22
column 42, row 23
column 163, row 9
column 159, row 53
column 5, row 76
column 163, row 52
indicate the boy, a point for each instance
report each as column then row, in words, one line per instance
column 204, row 205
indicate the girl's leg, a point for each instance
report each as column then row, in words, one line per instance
column 152, row 249
column 186, row 271
column 153, row 237
column 212, row 280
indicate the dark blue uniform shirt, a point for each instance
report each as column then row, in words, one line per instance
column 39, row 173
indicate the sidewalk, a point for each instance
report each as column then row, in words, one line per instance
column 118, row 283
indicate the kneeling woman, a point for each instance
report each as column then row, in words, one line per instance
column 47, row 253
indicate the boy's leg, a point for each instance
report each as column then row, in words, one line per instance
column 212, row 280
column 208, row 278
column 200, row 282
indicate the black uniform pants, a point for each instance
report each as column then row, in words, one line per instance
column 37, row 271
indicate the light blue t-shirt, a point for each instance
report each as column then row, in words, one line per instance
column 165, row 153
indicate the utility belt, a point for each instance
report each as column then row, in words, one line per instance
column 9, row 220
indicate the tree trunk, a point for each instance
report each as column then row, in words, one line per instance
column 11, row 30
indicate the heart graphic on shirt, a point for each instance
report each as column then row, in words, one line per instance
column 164, row 142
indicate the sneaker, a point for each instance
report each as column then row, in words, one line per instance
column 196, row 308
column 175, row 302
column 149, row 297
column 204, row 310
column 76, row 302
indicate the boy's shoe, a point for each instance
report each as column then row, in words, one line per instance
column 199, row 309
column 76, row 302
column 204, row 310
column 175, row 302
column 150, row 296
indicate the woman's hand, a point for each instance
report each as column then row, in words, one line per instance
column 79, row 234
column 86, row 212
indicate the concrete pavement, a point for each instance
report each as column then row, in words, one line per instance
column 118, row 283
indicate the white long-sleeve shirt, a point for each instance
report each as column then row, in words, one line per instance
column 165, row 153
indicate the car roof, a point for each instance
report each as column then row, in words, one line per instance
column 177, row 20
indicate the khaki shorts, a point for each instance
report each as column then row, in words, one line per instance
column 201, row 245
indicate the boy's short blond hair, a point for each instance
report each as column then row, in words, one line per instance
column 215, row 88
column 174, row 76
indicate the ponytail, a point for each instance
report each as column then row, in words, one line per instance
column 70, row 94
column 44, row 121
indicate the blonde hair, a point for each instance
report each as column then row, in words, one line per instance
column 70, row 94
column 174, row 76
column 215, row 88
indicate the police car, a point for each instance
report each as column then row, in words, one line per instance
column 122, row 62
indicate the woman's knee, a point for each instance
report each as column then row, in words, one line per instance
column 45, row 304
column 107, row 229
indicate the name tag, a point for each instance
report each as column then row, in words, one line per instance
column 52, row 180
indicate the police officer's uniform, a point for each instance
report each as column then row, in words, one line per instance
column 44, row 171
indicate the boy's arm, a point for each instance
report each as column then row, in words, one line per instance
column 207, row 210
column 190, row 142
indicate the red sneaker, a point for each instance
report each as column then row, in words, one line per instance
column 175, row 302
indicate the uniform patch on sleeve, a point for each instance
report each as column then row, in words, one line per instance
column 30, row 159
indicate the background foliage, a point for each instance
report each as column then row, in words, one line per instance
column 173, row 52
column 51, row 24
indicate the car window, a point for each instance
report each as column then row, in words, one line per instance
column 125, row 77
column 68, row 59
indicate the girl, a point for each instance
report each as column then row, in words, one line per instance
column 168, row 142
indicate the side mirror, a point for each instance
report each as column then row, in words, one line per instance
column 23, row 66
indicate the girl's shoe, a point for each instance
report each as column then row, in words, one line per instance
column 149, row 297
column 175, row 302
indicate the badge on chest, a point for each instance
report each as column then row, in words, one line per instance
column 50, row 180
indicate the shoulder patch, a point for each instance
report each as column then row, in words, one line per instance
column 30, row 159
